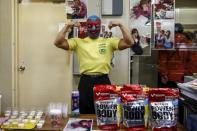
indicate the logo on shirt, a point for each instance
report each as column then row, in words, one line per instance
column 102, row 48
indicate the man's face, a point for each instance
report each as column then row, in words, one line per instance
column 164, row 79
column 93, row 27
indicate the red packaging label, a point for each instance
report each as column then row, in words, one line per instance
column 107, row 107
column 163, row 108
column 133, row 107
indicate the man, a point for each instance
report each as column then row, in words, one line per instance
column 164, row 82
column 94, row 56
column 80, row 10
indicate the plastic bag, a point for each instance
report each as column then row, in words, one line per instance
column 133, row 107
column 107, row 107
column 163, row 108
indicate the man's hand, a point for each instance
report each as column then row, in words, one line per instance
column 71, row 24
column 127, row 40
column 60, row 40
column 113, row 24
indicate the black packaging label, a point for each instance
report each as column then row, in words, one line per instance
column 108, row 111
column 164, row 114
column 133, row 113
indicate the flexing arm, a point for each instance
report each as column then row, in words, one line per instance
column 60, row 40
column 127, row 40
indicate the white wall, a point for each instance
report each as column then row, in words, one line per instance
column 5, row 53
column 186, row 15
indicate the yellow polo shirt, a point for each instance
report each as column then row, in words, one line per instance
column 94, row 55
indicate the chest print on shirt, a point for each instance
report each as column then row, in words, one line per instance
column 102, row 48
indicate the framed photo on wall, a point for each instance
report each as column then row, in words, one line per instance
column 164, row 22
column 76, row 9
column 164, row 34
column 140, row 26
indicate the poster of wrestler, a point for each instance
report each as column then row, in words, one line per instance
column 80, row 31
column 164, row 22
column 140, row 26
column 142, row 42
column 105, row 31
column 76, row 9
column 164, row 34
column 164, row 9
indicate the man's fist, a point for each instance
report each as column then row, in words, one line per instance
column 71, row 24
column 113, row 24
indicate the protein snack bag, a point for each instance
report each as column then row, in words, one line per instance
column 163, row 108
column 107, row 107
column 133, row 107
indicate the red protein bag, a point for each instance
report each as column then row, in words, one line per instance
column 107, row 107
column 133, row 107
column 163, row 109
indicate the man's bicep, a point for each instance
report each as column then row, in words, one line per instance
column 64, row 45
column 122, row 45
column 72, row 44
column 114, row 43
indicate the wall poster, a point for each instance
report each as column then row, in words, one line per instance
column 140, row 26
column 76, row 9
column 79, row 32
column 164, row 22
column 106, row 32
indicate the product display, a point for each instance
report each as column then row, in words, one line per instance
column 75, row 103
column 162, row 112
column 22, row 119
column 107, row 107
column 133, row 107
column 163, row 108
